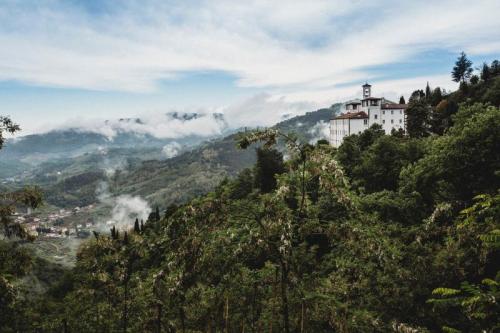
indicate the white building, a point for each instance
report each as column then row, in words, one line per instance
column 358, row 115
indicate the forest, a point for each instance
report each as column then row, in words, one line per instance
column 387, row 233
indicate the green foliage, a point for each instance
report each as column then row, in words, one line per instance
column 269, row 164
column 462, row 70
column 417, row 118
column 384, row 234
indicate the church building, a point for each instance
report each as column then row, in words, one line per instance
column 358, row 115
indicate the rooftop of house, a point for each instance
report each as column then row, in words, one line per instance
column 394, row 106
column 352, row 115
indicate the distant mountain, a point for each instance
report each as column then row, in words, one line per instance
column 198, row 171
column 141, row 166
column 176, row 128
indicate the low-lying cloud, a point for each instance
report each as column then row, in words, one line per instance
column 172, row 149
column 320, row 131
column 171, row 125
column 125, row 209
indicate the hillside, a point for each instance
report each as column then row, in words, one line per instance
column 69, row 165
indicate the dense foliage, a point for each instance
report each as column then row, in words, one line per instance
column 389, row 233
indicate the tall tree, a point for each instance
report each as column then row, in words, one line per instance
column 462, row 70
column 428, row 91
column 402, row 100
column 137, row 228
column 417, row 118
column 485, row 72
column 269, row 163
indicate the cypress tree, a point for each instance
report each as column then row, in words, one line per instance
column 157, row 213
column 113, row 232
column 137, row 228
column 142, row 226
column 428, row 92
column 402, row 100
column 125, row 238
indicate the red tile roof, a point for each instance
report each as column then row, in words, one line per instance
column 352, row 115
column 394, row 106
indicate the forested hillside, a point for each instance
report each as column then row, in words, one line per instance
column 387, row 233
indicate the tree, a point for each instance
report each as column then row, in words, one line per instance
column 137, row 227
column 463, row 162
column 436, row 96
column 485, row 72
column 441, row 116
column 462, row 70
column 428, row 92
column 402, row 100
column 417, row 118
column 6, row 125
column 269, row 164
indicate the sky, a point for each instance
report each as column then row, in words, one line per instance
column 65, row 62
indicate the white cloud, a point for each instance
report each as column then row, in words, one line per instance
column 172, row 149
column 171, row 125
column 321, row 130
column 303, row 54
column 265, row 44
column 124, row 209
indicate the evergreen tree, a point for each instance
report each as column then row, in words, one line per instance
column 269, row 163
column 428, row 92
column 436, row 96
column 157, row 213
column 142, row 225
column 485, row 72
column 462, row 70
column 137, row 228
column 417, row 118
column 402, row 100
column 125, row 238
column 474, row 79
column 113, row 233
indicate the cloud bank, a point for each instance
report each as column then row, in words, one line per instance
column 279, row 45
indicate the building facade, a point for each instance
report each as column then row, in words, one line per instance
column 358, row 115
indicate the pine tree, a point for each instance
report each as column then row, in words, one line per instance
column 157, row 215
column 485, row 72
column 269, row 163
column 417, row 119
column 428, row 92
column 113, row 233
column 436, row 97
column 462, row 70
column 402, row 100
column 142, row 226
column 137, row 228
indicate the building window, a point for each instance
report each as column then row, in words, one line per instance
column 383, row 112
column 400, row 111
column 392, row 112
column 383, row 121
column 400, row 121
column 365, row 121
column 375, row 116
column 392, row 121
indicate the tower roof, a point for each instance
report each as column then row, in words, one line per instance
column 367, row 85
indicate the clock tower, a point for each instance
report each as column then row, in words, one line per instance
column 367, row 90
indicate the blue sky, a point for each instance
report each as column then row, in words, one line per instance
column 62, row 61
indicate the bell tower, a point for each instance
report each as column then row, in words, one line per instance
column 367, row 90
